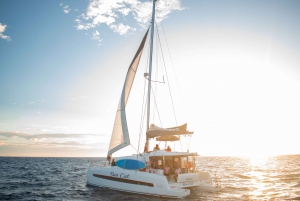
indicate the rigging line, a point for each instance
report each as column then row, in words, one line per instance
column 142, row 116
column 180, row 144
column 186, row 142
column 190, row 142
column 174, row 146
column 159, row 69
column 156, row 107
column 167, row 77
column 154, row 80
column 143, row 104
column 174, row 71
column 136, row 150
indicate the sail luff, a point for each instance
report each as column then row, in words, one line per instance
column 120, row 135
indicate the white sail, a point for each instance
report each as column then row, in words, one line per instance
column 120, row 136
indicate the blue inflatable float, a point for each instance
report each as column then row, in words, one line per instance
column 130, row 164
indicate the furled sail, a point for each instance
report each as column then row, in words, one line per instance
column 155, row 131
column 120, row 136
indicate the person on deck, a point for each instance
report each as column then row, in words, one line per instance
column 168, row 148
column 177, row 172
column 113, row 163
column 167, row 170
column 156, row 148
column 151, row 169
column 189, row 166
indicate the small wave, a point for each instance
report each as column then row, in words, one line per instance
column 292, row 175
column 231, row 188
column 11, row 196
column 297, row 185
column 285, row 176
column 243, row 176
column 48, row 195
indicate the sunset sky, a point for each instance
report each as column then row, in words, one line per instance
column 63, row 64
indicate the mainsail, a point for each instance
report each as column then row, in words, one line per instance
column 120, row 136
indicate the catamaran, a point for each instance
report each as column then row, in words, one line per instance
column 162, row 173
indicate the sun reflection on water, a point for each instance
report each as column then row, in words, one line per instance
column 256, row 165
column 264, row 177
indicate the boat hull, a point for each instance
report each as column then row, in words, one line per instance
column 132, row 181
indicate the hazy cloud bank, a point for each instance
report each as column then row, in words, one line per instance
column 86, row 141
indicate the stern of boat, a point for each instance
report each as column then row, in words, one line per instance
column 207, row 182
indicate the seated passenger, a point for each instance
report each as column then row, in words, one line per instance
column 113, row 163
column 177, row 172
column 189, row 166
column 143, row 170
column 168, row 148
column 156, row 148
column 167, row 170
column 151, row 169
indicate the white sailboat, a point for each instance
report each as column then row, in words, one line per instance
column 159, row 172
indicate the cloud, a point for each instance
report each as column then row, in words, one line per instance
column 113, row 11
column 121, row 28
column 96, row 36
column 66, row 8
column 82, row 27
column 2, row 29
column 13, row 134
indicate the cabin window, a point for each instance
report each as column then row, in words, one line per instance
column 184, row 164
column 169, row 161
column 191, row 163
column 159, row 163
column 176, row 162
column 156, row 162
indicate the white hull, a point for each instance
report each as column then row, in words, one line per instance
column 134, row 182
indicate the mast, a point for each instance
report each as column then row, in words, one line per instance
column 150, row 72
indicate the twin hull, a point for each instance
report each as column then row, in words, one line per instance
column 133, row 181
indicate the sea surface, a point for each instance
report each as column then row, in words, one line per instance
column 265, row 178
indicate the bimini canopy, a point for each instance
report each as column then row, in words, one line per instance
column 169, row 138
column 155, row 131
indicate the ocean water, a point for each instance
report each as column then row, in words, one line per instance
column 272, row 178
